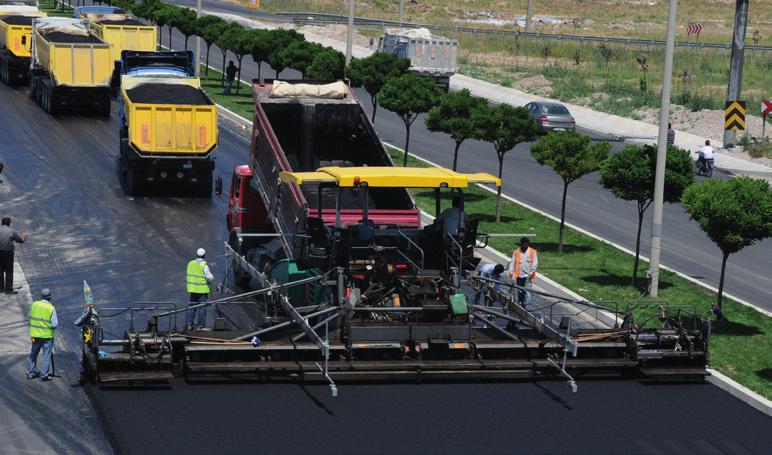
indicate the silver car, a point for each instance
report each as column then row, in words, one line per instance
column 551, row 116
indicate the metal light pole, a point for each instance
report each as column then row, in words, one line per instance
column 350, row 34
column 401, row 7
column 736, row 65
column 198, row 41
column 659, row 179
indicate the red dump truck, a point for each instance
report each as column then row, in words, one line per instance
column 302, row 127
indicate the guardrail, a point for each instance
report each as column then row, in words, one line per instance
column 326, row 18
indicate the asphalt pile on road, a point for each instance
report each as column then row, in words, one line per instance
column 67, row 38
column 18, row 20
column 156, row 93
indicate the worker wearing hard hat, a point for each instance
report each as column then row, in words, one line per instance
column 199, row 284
column 42, row 326
column 522, row 269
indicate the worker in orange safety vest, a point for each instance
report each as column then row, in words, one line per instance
column 522, row 269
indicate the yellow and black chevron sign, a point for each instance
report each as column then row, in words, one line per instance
column 734, row 116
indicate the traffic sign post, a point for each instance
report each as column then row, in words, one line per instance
column 766, row 109
column 254, row 4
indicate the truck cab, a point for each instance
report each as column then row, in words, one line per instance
column 246, row 211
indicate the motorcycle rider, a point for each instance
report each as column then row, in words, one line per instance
column 706, row 156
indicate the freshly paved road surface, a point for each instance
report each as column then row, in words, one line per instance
column 685, row 247
column 61, row 185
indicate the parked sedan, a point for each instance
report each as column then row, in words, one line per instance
column 551, row 116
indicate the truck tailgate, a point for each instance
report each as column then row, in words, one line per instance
column 82, row 65
column 172, row 129
column 127, row 38
column 16, row 38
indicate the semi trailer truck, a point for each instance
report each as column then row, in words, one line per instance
column 71, row 67
column 168, row 124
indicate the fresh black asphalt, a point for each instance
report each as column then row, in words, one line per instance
column 61, row 185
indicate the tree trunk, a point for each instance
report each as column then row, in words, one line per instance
column 721, row 282
column 170, row 37
column 374, row 100
column 160, row 35
column 562, row 216
column 638, row 244
column 277, row 74
column 498, row 190
column 206, row 70
column 259, row 70
column 222, row 68
column 407, row 142
column 455, row 154
column 186, row 42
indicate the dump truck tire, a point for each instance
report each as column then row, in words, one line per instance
column 135, row 182
column 205, row 185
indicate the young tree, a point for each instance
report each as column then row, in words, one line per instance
column 456, row 116
column 209, row 28
column 261, row 48
column 372, row 73
column 734, row 213
column 186, row 22
column 407, row 96
column 162, row 16
column 280, row 39
column 299, row 55
column 169, row 14
column 223, row 41
column 629, row 175
column 505, row 126
column 571, row 155
column 240, row 43
column 327, row 64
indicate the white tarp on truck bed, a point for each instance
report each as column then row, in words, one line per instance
column 282, row 89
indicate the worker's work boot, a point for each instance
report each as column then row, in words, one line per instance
column 33, row 375
column 45, row 378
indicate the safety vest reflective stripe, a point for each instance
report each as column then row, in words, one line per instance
column 518, row 254
column 196, row 278
column 40, row 325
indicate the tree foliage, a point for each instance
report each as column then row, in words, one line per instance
column 185, row 21
column 408, row 96
column 571, row 155
column 374, row 71
column 505, row 126
column 629, row 175
column 456, row 115
column 239, row 41
column 209, row 28
column 278, row 40
column 299, row 55
column 328, row 64
column 733, row 213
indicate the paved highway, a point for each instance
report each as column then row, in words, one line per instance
column 685, row 247
column 61, row 185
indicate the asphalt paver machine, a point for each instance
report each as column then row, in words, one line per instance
column 361, row 301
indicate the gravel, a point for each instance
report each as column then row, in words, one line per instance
column 66, row 38
column 18, row 20
column 155, row 93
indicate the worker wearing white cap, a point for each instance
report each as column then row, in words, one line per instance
column 199, row 284
column 42, row 326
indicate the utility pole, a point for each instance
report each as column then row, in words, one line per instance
column 659, row 176
column 350, row 34
column 401, row 8
column 736, row 65
column 198, row 41
column 528, row 16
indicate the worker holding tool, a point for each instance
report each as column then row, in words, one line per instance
column 522, row 269
column 199, row 284
column 42, row 326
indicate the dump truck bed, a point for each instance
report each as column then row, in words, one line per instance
column 305, row 133
column 169, row 116
column 15, row 34
column 74, row 59
column 125, row 34
column 428, row 53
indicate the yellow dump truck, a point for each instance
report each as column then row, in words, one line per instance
column 125, row 34
column 168, row 124
column 71, row 68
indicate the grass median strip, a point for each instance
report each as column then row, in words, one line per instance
column 740, row 348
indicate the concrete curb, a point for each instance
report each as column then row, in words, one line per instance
column 740, row 392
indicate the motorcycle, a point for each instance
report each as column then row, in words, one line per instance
column 704, row 167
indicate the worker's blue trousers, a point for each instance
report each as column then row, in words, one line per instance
column 47, row 344
column 196, row 317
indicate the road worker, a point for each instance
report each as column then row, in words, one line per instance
column 42, row 326
column 7, row 239
column 522, row 269
column 199, row 284
column 453, row 219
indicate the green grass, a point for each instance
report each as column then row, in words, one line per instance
column 61, row 10
column 241, row 104
column 741, row 348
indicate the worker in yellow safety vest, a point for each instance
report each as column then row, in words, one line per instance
column 198, row 282
column 522, row 269
column 42, row 326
